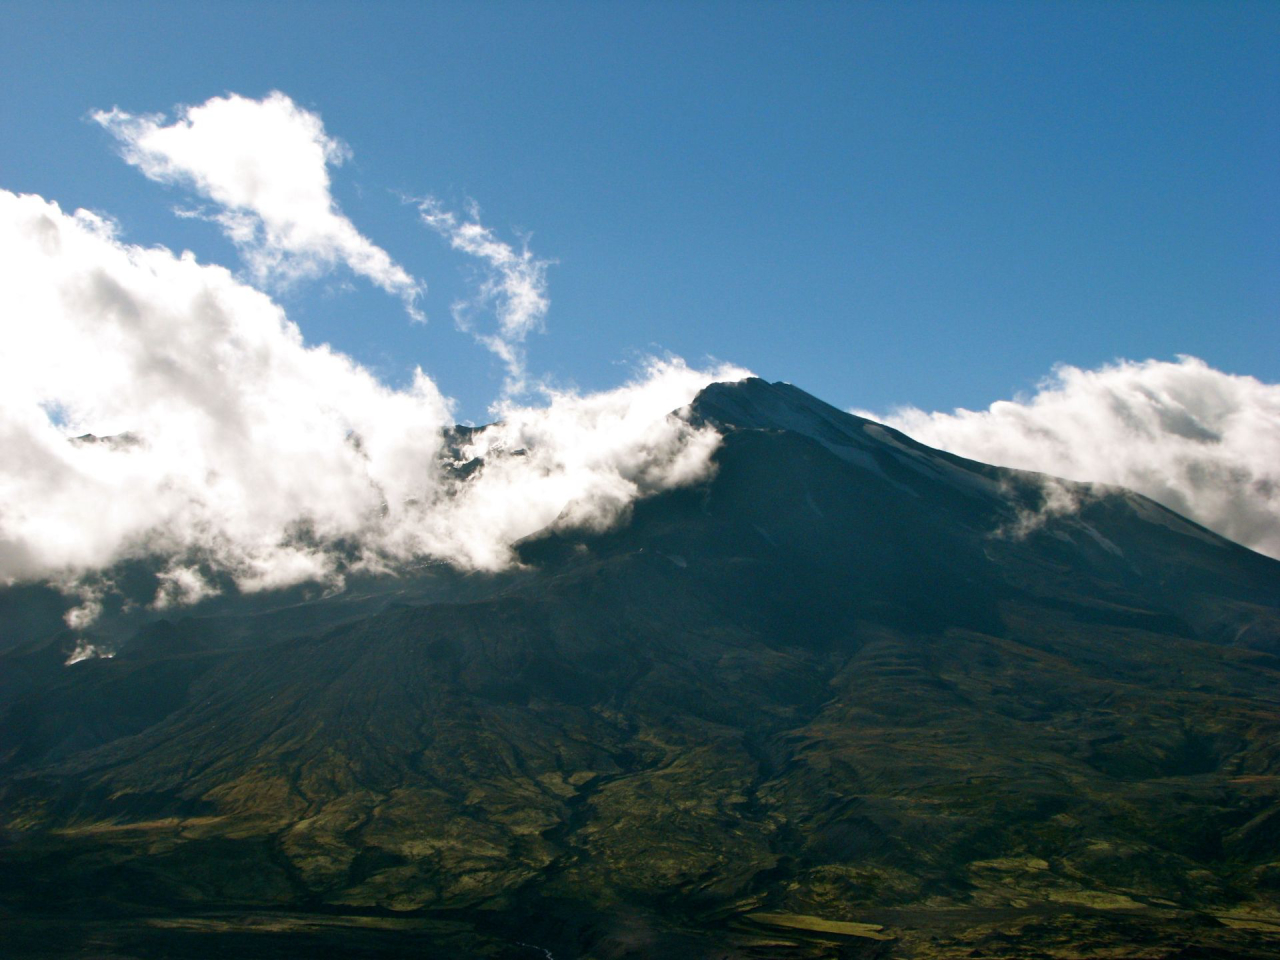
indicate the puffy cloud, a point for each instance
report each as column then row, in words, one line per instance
column 266, row 164
column 1202, row 442
column 235, row 452
column 242, row 432
column 579, row 460
column 514, row 286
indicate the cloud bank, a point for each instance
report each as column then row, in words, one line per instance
column 155, row 406
column 1202, row 442
column 265, row 163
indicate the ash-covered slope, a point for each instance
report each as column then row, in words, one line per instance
column 850, row 696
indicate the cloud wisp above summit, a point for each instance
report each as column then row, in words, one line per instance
column 265, row 164
column 1202, row 442
column 514, row 286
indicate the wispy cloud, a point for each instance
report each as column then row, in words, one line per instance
column 513, row 286
column 265, row 163
column 1202, row 442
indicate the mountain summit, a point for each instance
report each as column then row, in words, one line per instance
column 850, row 696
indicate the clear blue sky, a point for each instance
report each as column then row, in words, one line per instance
column 882, row 203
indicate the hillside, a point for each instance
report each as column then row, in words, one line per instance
column 850, row 697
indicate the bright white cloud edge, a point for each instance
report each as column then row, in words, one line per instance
column 265, row 163
column 1202, row 442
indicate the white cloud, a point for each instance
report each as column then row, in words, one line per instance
column 265, row 163
column 514, row 287
column 181, row 586
column 1202, row 442
column 580, row 460
column 242, row 429
column 255, row 458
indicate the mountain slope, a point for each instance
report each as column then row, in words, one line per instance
column 848, row 680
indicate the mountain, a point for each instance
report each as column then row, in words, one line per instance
column 851, row 696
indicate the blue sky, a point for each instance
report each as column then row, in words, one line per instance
column 927, row 204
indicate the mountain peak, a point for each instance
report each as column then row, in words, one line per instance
column 756, row 403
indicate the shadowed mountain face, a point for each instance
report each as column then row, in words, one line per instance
column 851, row 697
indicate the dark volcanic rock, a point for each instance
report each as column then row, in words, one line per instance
column 851, row 697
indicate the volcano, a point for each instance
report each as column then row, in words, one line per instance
column 850, row 696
